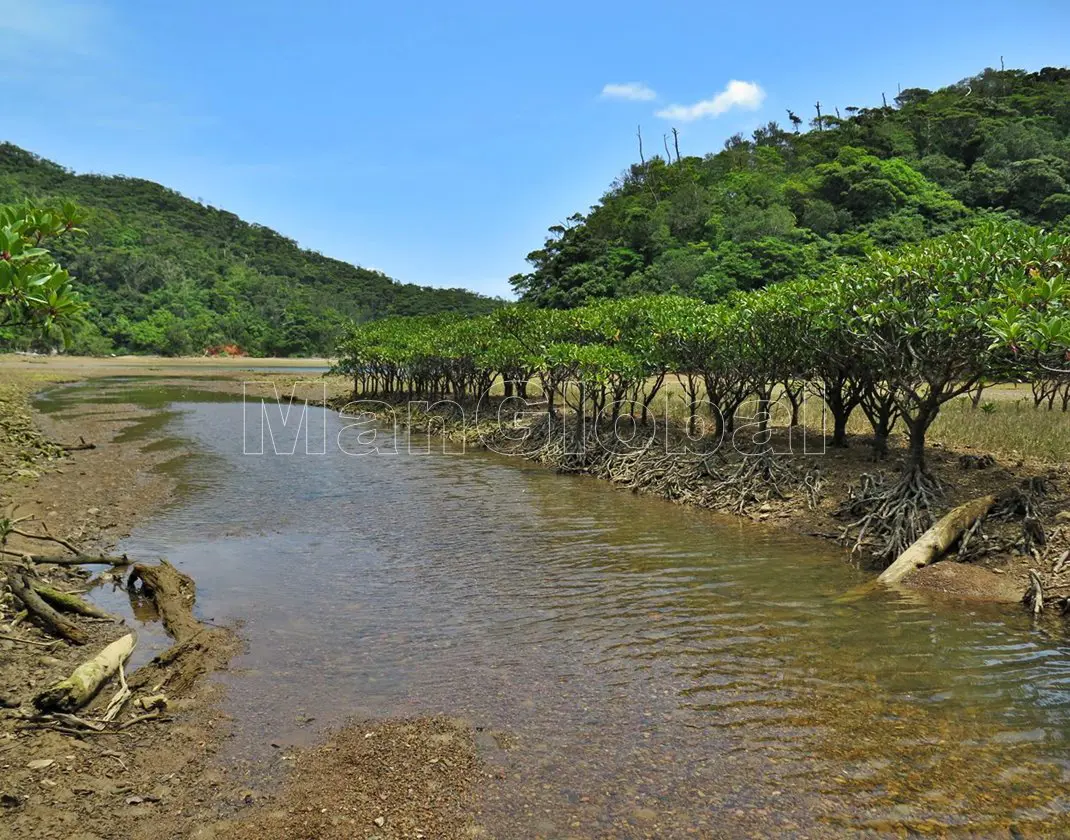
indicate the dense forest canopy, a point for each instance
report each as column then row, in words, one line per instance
column 779, row 204
column 164, row 274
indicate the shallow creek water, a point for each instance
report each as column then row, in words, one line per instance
column 651, row 670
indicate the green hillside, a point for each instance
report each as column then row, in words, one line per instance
column 165, row 274
column 779, row 204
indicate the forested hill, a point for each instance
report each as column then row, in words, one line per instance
column 779, row 204
column 165, row 274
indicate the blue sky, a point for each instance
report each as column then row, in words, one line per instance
column 438, row 141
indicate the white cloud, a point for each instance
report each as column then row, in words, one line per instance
column 746, row 95
column 632, row 91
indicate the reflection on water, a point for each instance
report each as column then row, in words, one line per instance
column 661, row 672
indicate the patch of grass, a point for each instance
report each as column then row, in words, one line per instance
column 1013, row 428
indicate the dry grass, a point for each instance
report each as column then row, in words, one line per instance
column 1012, row 428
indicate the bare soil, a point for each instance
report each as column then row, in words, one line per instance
column 387, row 780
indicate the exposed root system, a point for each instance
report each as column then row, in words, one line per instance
column 704, row 478
column 764, row 476
column 890, row 518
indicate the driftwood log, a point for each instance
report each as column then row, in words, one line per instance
column 198, row 649
column 76, row 560
column 67, row 602
column 53, row 621
column 77, row 447
column 173, row 593
column 82, row 685
column 934, row 543
column 46, row 537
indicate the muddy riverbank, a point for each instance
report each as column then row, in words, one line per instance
column 88, row 476
column 998, row 562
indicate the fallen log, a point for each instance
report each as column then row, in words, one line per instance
column 76, row 560
column 82, row 685
column 934, row 543
column 53, row 621
column 173, row 593
column 66, row 602
column 199, row 648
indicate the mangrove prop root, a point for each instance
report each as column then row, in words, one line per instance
column 1034, row 596
column 83, row 684
column 934, row 543
column 693, row 477
column 54, row 622
column 759, row 478
column 891, row 518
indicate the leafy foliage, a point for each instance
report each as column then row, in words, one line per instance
column 36, row 294
column 164, row 274
column 778, row 205
column 907, row 330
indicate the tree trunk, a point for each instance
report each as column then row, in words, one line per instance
column 880, row 410
column 842, row 397
column 839, row 428
column 880, row 444
column 918, row 428
column 762, row 411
